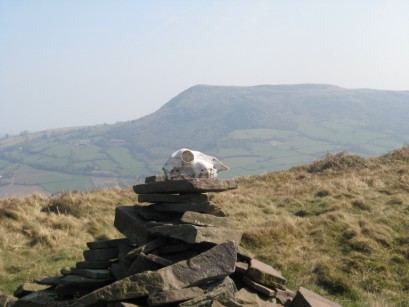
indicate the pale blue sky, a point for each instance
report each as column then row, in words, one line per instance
column 74, row 63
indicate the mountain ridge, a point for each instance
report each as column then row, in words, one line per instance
column 252, row 129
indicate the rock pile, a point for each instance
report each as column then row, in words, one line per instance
column 178, row 250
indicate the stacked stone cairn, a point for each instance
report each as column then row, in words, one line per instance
column 178, row 250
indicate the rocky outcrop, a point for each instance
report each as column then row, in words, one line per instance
column 178, row 250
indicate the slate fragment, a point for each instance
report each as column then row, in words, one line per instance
column 174, row 296
column 193, row 185
column 107, row 243
column 29, row 287
column 202, row 219
column 103, row 254
column 266, row 275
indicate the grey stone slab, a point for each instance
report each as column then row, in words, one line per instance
column 130, row 224
column 29, row 287
column 174, row 296
column 194, row 185
column 172, row 198
column 195, row 234
column 107, row 243
column 149, row 214
column 266, row 275
column 205, row 207
column 307, row 298
column 93, row 264
column 122, row 304
column 244, row 255
column 216, row 263
column 259, row 287
column 102, row 254
column 92, row 273
column 202, row 219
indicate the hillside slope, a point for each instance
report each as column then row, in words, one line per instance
column 339, row 226
column 252, row 129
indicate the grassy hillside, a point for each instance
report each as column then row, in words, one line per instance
column 339, row 226
column 252, row 129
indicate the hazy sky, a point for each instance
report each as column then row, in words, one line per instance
column 75, row 62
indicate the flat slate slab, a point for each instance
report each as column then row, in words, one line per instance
column 130, row 224
column 172, row 198
column 150, row 214
column 216, row 263
column 107, row 243
column 258, row 287
column 196, row 234
column 194, row 185
column 207, row 207
column 266, row 275
column 307, row 298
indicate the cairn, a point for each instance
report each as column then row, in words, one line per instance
column 179, row 249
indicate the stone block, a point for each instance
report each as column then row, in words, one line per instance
column 259, row 287
column 130, row 224
column 92, row 273
column 216, row 263
column 6, row 300
column 174, row 296
column 201, row 219
column 102, row 254
column 150, row 214
column 265, row 275
column 307, row 298
column 194, row 185
column 205, row 207
column 196, row 234
column 107, row 243
column 172, row 198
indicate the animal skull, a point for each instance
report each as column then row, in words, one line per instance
column 189, row 163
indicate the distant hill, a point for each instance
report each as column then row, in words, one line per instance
column 252, row 129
